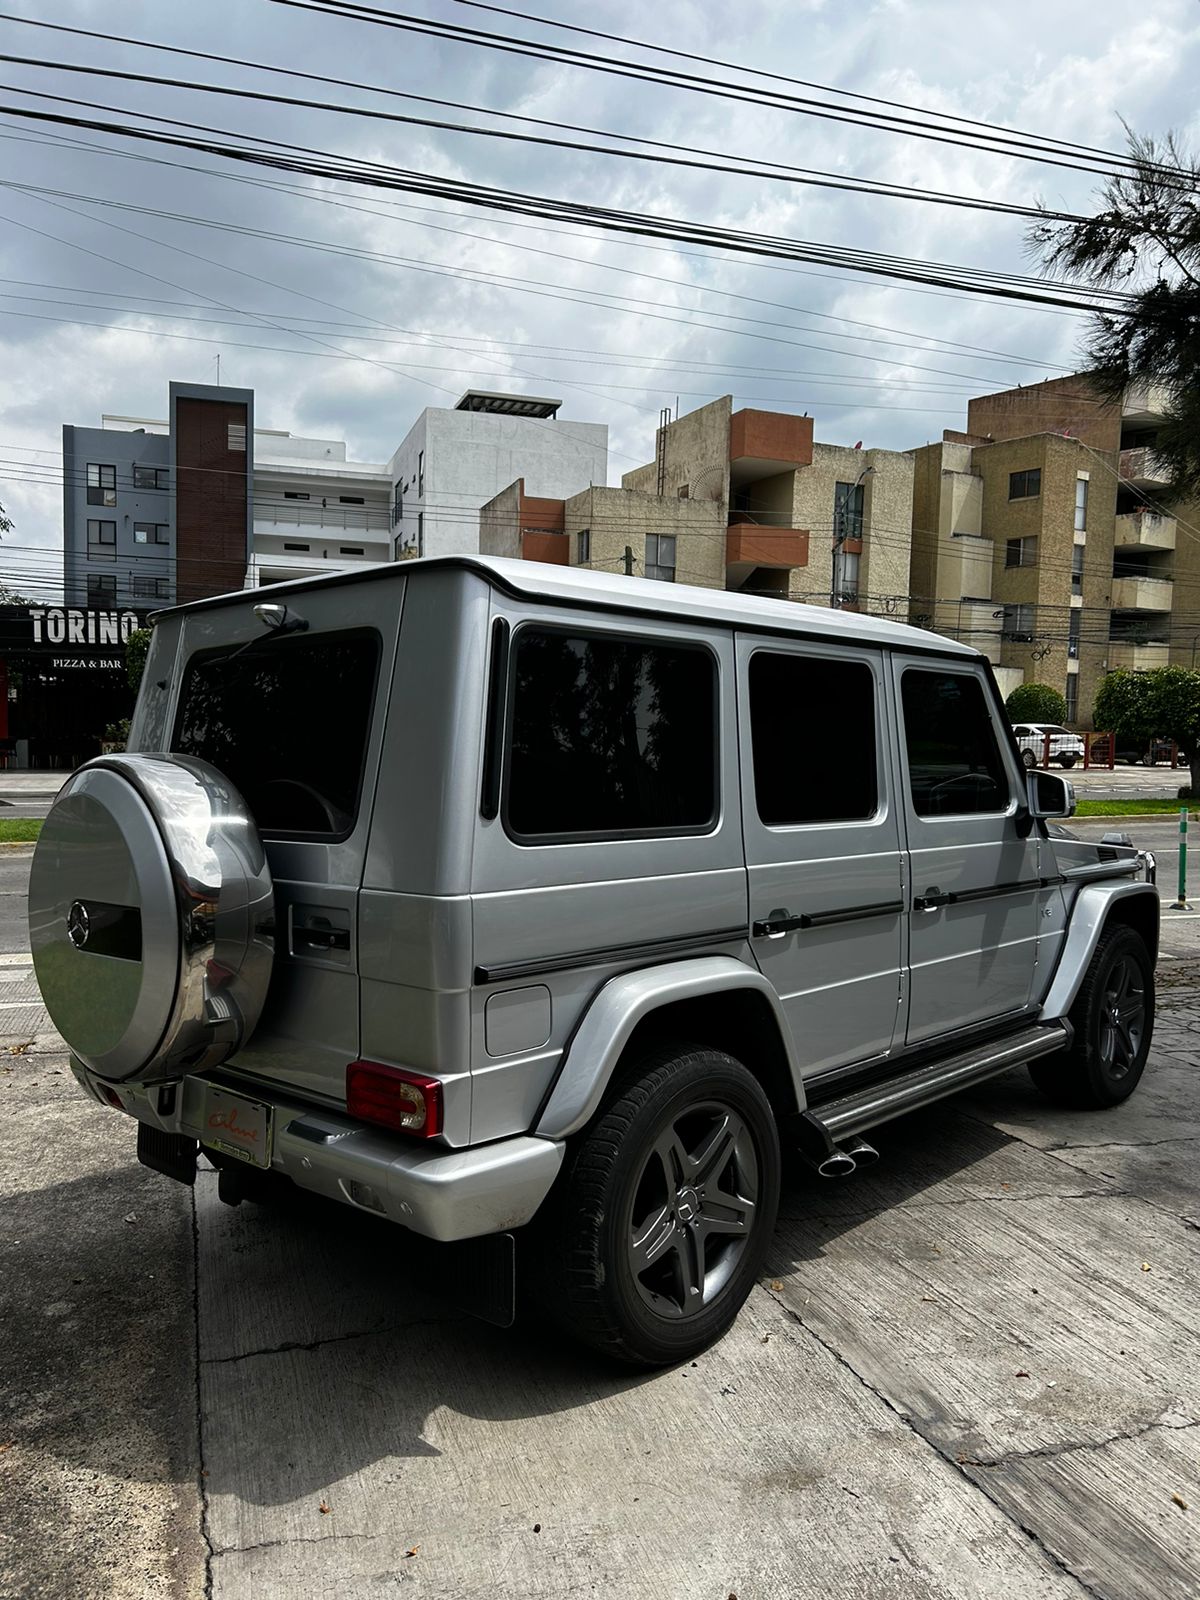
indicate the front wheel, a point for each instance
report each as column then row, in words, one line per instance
column 1113, row 1018
column 663, row 1213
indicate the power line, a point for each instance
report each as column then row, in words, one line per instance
column 997, row 142
column 685, row 156
column 298, row 158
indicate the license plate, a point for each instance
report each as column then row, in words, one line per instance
column 237, row 1126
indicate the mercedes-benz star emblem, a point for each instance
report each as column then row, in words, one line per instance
column 78, row 924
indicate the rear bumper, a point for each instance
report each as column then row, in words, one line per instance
column 442, row 1194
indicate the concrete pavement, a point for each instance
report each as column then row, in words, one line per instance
column 973, row 1370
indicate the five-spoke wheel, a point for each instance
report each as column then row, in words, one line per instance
column 663, row 1212
column 1113, row 1017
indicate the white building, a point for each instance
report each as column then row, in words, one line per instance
column 314, row 509
column 455, row 461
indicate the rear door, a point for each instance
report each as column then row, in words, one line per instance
column 974, row 906
column 823, row 847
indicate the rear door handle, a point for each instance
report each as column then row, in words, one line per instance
column 322, row 938
column 775, row 924
column 932, row 899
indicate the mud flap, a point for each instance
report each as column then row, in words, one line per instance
column 172, row 1154
column 475, row 1276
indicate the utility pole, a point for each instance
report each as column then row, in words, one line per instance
column 629, row 561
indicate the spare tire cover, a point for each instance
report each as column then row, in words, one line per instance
column 151, row 916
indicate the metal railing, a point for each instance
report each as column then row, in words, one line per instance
column 342, row 519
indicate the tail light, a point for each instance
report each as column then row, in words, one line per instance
column 392, row 1097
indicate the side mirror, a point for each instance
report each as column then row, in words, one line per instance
column 1049, row 795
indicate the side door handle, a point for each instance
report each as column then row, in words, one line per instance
column 932, row 899
column 776, row 923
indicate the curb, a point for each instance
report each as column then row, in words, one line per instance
column 1138, row 816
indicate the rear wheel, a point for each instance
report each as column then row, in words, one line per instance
column 1113, row 1018
column 1066, row 761
column 1029, row 759
column 664, row 1211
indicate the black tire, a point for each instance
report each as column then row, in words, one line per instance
column 615, row 1204
column 1028, row 759
column 1066, row 761
column 1113, row 1018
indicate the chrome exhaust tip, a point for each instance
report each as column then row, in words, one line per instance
column 861, row 1153
column 837, row 1164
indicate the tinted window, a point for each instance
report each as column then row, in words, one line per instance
column 954, row 762
column 287, row 722
column 812, row 725
column 610, row 736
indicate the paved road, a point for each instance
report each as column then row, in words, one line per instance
column 972, row 1371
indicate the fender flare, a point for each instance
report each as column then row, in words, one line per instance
column 606, row 1027
column 1088, row 918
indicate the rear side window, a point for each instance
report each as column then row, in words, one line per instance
column 287, row 722
column 954, row 762
column 812, row 725
column 610, row 736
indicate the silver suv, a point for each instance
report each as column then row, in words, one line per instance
column 490, row 897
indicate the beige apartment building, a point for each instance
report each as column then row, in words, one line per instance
column 740, row 500
column 1040, row 535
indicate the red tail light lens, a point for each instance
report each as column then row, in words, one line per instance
column 391, row 1097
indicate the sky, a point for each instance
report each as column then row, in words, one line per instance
column 349, row 309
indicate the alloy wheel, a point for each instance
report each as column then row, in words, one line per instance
column 1122, row 1018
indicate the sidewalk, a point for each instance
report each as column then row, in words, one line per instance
column 973, row 1370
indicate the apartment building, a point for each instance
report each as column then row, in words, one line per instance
column 1012, row 552
column 741, row 500
column 454, row 460
column 1040, row 534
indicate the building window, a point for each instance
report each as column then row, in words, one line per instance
column 845, row 576
column 583, row 546
column 351, row 500
column 660, row 556
column 351, row 550
column 151, row 478
column 1018, row 624
column 397, row 503
column 1077, row 569
column 847, row 511
column 420, row 533
column 1081, row 498
column 296, row 494
column 1020, row 552
column 1024, row 485
column 151, row 533
column 295, row 546
column 954, row 762
column 102, row 588
column 1073, row 634
column 1072, row 696
column 150, row 588
column 102, row 540
column 101, row 485
column 838, row 700
column 237, row 437
column 421, row 475
column 610, row 736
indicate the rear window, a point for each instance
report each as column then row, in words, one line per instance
column 812, row 729
column 610, row 736
column 287, row 722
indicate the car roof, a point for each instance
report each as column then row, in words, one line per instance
column 579, row 586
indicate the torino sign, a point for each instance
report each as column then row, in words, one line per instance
column 66, row 625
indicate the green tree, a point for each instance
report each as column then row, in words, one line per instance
column 1161, row 704
column 1036, row 702
column 137, row 647
column 1143, row 243
column 5, row 521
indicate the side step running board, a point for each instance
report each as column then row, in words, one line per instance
column 836, row 1120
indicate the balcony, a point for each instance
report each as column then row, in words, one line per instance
column 1142, row 468
column 285, row 516
column 763, row 443
column 554, row 548
column 1142, row 594
column 749, row 545
column 1126, row 655
column 1144, row 530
